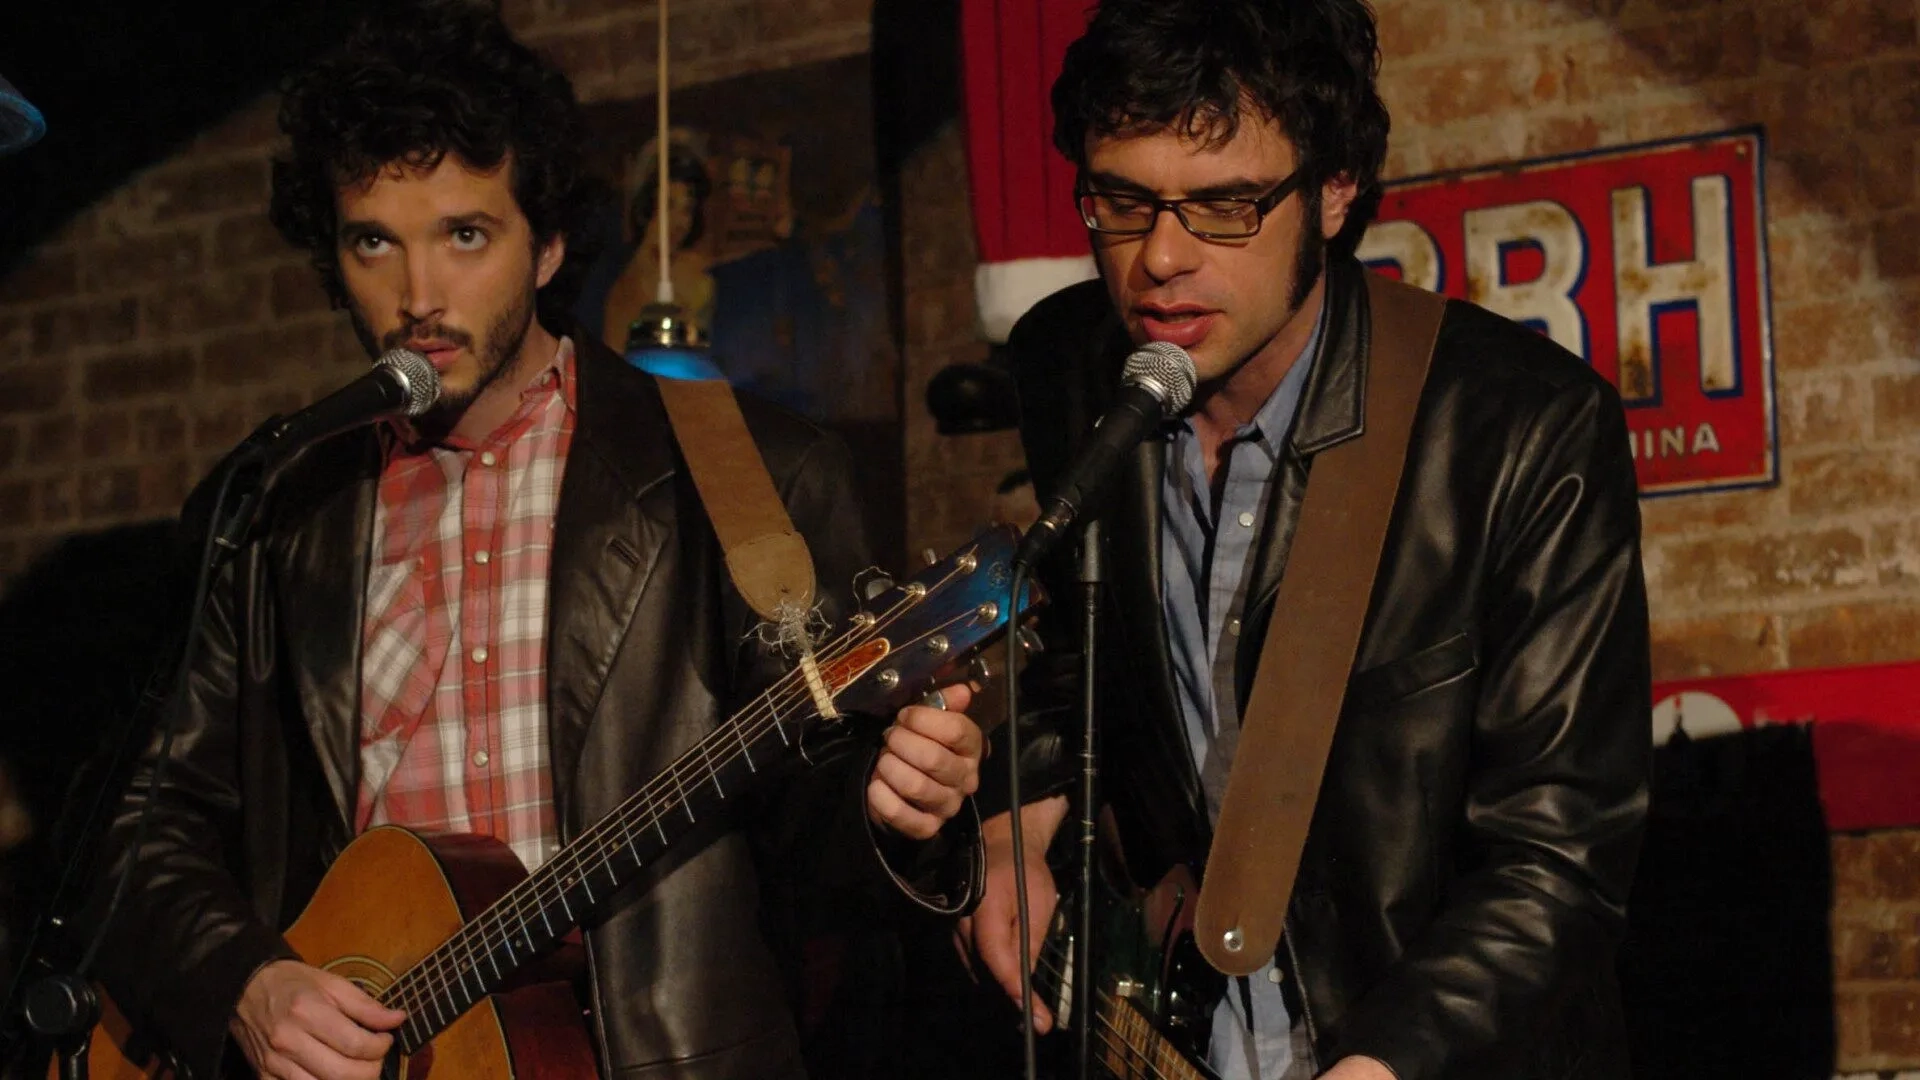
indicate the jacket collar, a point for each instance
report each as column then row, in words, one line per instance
column 1332, row 411
column 1332, row 408
column 320, row 549
column 615, row 515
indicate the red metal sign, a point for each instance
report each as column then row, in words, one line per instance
column 1647, row 261
column 1866, row 730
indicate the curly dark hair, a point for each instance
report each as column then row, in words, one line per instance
column 1190, row 65
column 413, row 83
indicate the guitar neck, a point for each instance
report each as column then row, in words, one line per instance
column 535, row 914
column 1128, row 1046
column 907, row 638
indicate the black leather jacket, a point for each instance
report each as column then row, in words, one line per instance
column 1466, row 873
column 647, row 645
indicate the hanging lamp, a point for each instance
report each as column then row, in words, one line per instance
column 659, row 341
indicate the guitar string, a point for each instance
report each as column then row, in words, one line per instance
column 407, row 992
column 460, row 951
column 456, row 954
column 746, row 728
column 615, row 831
column 1127, row 1045
column 432, row 978
column 429, row 978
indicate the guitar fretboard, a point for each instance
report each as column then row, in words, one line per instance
column 1129, row 1047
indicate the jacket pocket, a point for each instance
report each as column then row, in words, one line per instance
column 1384, row 684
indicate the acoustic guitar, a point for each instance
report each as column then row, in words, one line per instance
column 450, row 929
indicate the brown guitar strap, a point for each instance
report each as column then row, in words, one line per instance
column 1287, row 726
column 769, row 561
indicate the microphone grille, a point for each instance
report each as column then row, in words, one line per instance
column 417, row 377
column 1163, row 370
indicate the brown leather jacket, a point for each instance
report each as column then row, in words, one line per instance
column 1466, row 873
column 645, row 651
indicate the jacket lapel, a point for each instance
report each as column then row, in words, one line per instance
column 331, row 492
column 1331, row 412
column 615, row 514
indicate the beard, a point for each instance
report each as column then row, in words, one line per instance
column 497, row 350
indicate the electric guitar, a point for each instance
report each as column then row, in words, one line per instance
column 1153, row 993
column 450, row 928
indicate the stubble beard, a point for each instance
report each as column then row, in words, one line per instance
column 498, row 349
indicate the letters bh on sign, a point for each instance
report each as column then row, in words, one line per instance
column 1649, row 262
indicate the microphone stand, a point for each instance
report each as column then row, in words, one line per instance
column 1092, row 580
column 59, row 1005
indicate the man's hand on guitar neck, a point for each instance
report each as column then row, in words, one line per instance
column 296, row 1022
column 928, row 767
column 993, row 930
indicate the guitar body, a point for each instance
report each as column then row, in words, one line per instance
column 1154, row 994
column 390, row 898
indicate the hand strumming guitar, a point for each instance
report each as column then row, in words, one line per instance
column 296, row 1022
column 993, row 930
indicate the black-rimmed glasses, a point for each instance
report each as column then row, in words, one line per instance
column 1213, row 218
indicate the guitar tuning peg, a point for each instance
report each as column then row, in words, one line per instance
column 1030, row 642
column 871, row 585
column 979, row 672
column 930, row 555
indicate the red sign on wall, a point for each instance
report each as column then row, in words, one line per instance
column 1866, row 730
column 1649, row 262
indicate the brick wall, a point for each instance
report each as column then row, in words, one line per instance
column 155, row 328
column 1825, row 568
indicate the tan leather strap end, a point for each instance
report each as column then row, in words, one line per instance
column 1287, row 727
column 768, row 560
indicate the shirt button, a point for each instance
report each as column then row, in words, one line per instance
column 1274, row 974
column 480, row 759
column 487, row 458
column 482, row 557
column 479, row 654
column 1233, row 627
column 1246, row 519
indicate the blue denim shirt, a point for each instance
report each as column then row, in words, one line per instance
column 1208, row 547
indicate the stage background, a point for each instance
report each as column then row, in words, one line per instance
column 153, row 322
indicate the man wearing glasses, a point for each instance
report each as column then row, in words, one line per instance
column 1465, row 876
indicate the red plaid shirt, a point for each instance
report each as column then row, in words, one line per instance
column 453, row 692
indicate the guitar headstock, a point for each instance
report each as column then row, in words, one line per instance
column 919, row 634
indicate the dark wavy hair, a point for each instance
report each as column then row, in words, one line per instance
column 413, row 83
column 1192, row 65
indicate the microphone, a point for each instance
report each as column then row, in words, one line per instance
column 1157, row 383
column 402, row 382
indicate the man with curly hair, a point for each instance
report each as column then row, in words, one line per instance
column 1465, row 873
column 501, row 618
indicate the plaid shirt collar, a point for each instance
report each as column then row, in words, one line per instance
column 398, row 438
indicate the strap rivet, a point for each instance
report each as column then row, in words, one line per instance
column 1232, row 940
